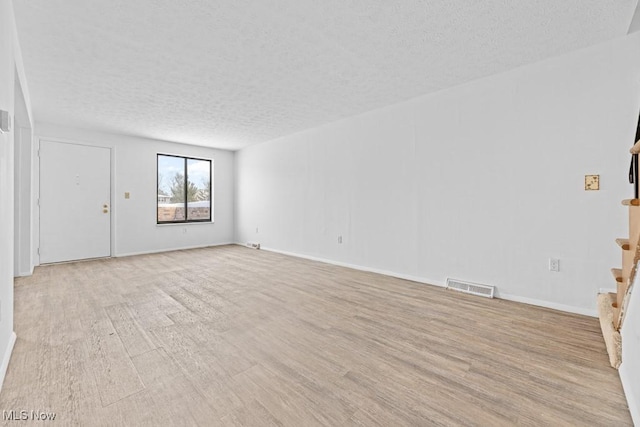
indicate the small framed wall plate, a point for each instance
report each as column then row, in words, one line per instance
column 591, row 182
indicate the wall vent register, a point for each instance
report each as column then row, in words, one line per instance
column 471, row 288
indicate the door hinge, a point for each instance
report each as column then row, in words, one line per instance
column 38, row 251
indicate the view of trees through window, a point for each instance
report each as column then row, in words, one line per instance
column 184, row 189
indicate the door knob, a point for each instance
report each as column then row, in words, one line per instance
column 105, row 210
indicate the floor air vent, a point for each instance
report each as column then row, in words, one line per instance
column 253, row 245
column 471, row 288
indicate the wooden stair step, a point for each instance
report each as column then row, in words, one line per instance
column 636, row 148
column 617, row 273
column 631, row 202
column 624, row 244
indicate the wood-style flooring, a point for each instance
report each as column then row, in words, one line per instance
column 232, row 336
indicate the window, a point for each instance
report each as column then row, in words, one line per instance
column 184, row 189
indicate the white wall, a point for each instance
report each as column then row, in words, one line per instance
column 630, row 368
column 11, row 76
column 134, row 168
column 482, row 182
column 7, row 75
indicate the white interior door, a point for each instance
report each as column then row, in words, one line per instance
column 75, row 202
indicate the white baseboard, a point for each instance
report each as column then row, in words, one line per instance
column 157, row 251
column 549, row 304
column 515, row 298
column 25, row 273
column 358, row 267
column 7, row 358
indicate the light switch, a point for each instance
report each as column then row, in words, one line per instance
column 127, row 195
column 591, row 182
column 5, row 121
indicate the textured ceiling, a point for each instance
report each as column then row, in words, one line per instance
column 232, row 73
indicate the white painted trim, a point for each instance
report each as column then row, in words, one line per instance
column 169, row 224
column 182, row 248
column 509, row 297
column 357, row 267
column 68, row 141
column 36, row 200
column 548, row 304
column 7, row 358
column 113, row 201
column 628, row 393
column 24, row 273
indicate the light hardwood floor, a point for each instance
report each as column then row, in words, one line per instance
column 232, row 336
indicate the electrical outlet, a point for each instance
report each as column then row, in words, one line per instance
column 340, row 239
column 184, row 230
column 554, row 264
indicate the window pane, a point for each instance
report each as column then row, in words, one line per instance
column 198, row 190
column 171, row 195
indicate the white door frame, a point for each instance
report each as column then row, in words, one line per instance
column 23, row 150
column 113, row 205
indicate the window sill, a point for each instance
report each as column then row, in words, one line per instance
column 169, row 224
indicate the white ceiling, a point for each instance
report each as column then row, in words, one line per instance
column 231, row 73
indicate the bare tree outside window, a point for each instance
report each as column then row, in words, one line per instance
column 184, row 189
